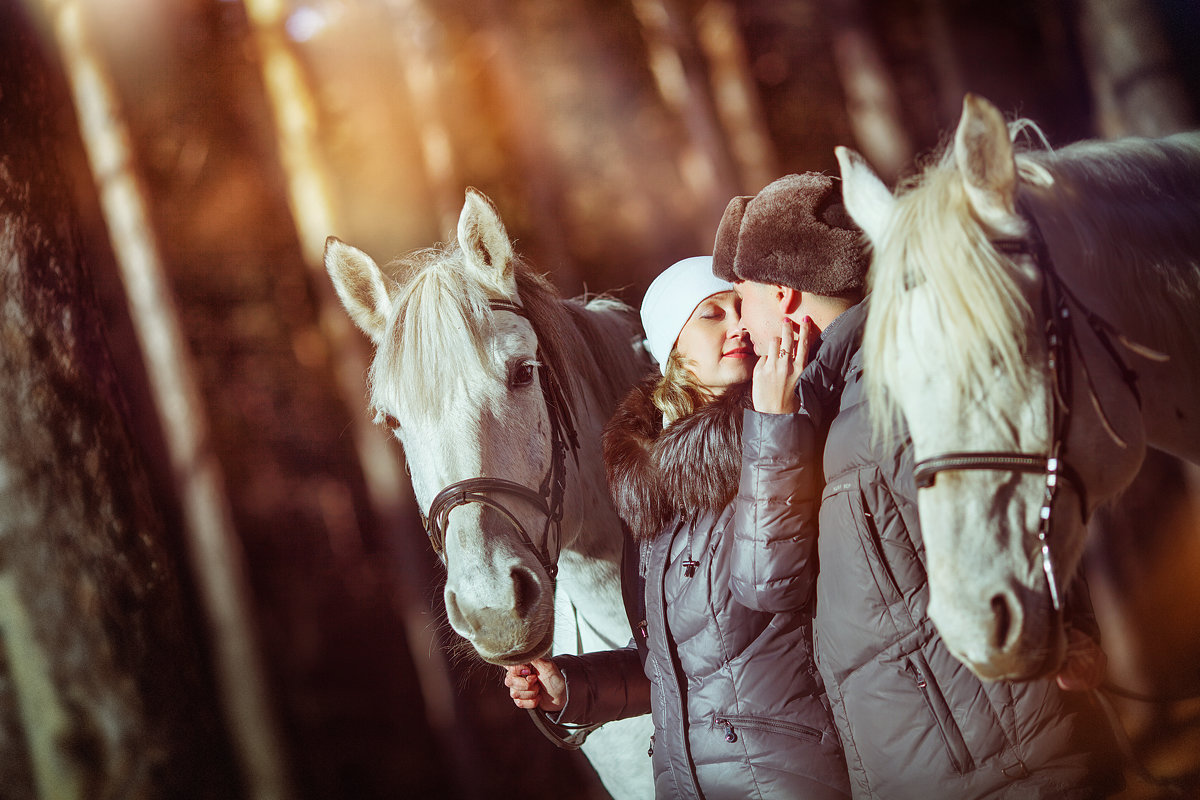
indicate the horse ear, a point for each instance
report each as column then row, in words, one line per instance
column 361, row 286
column 984, row 154
column 867, row 199
column 484, row 241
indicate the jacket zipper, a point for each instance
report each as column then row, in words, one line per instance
column 877, row 546
column 689, row 563
column 793, row 729
column 656, row 582
column 923, row 685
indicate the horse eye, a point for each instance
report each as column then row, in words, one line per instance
column 522, row 375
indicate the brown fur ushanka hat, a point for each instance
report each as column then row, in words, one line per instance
column 796, row 233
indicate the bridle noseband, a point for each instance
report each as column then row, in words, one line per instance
column 547, row 499
column 1061, row 345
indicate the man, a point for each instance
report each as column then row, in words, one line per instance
column 914, row 722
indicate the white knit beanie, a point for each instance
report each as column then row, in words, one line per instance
column 671, row 299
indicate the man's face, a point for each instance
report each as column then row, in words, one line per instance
column 762, row 312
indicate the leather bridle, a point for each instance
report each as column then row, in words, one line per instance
column 1061, row 345
column 549, row 496
column 547, row 499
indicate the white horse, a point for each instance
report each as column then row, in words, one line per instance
column 498, row 390
column 1035, row 318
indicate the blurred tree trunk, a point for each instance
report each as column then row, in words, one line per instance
column 872, row 102
column 524, row 123
column 346, row 711
column 297, row 130
column 704, row 161
column 944, row 61
column 212, row 544
column 103, row 690
column 419, row 49
column 736, row 97
column 1136, row 87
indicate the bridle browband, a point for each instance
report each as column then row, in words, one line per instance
column 1061, row 345
column 548, row 499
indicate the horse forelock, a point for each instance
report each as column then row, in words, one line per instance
column 441, row 318
column 969, row 297
column 435, row 335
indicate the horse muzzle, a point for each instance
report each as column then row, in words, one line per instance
column 503, row 636
column 1016, row 635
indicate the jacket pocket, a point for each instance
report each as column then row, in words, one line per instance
column 731, row 724
column 952, row 737
column 871, row 532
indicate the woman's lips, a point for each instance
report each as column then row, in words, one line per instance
column 740, row 352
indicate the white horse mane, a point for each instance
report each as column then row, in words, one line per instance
column 440, row 318
column 1082, row 192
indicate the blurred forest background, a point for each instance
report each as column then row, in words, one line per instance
column 213, row 582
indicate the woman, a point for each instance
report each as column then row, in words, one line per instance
column 738, row 706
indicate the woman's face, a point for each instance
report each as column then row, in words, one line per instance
column 714, row 344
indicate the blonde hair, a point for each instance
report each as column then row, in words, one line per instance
column 678, row 392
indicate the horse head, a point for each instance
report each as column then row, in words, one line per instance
column 468, row 374
column 1011, row 457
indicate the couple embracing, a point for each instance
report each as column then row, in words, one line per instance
column 783, row 645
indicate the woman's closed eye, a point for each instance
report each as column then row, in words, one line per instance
column 712, row 311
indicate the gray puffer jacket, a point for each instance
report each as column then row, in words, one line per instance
column 738, row 706
column 914, row 722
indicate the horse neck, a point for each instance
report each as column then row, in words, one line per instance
column 589, row 564
column 1137, row 266
column 589, row 573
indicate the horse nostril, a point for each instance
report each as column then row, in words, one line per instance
column 525, row 591
column 1002, row 621
column 454, row 614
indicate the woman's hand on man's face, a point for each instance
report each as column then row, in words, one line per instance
column 778, row 370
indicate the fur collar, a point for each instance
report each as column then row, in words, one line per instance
column 691, row 467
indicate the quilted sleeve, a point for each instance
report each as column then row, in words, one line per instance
column 774, row 522
column 604, row 686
